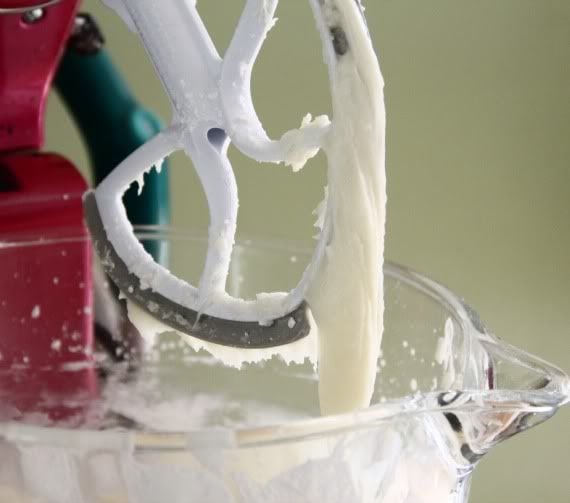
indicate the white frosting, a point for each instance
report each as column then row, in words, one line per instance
column 346, row 293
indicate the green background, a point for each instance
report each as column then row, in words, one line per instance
column 478, row 105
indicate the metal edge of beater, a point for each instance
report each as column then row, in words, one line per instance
column 233, row 333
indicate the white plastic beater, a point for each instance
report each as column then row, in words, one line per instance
column 212, row 104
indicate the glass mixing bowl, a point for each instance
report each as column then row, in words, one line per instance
column 123, row 421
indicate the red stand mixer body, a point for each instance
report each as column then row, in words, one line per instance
column 46, row 311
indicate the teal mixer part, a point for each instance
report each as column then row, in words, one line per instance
column 112, row 123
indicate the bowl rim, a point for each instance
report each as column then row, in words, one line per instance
column 554, row 393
